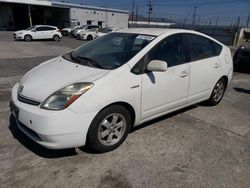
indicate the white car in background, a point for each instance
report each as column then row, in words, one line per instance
column 105, row 31
column 38, row 32
column 83, row 28
column 87, row 34
column 67, row 31
column 94, row 33
column 99, row 91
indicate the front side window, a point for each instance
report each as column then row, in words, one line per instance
column 200, row 47
column 41, row 29
column 170, row 50
column 110, row 51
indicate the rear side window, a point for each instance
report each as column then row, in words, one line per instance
column 200, row 47
column 217, row 48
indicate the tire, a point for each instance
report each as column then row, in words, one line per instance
column 109, row 129
column 89, row 37
column 217, row 93
column 56, row 38
column 28, row 38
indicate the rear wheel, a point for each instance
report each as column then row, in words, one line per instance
column 28, row 38
column 56, row 38
column 109, row 129
column 89, row 37
column 218, row 92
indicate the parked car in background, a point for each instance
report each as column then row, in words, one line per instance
column 242, row 54
column 118, row 81
column 67, row 31
column 87, row 34
column 84, row 28
column 37, row 32
column 94, row 33
column 104, row 31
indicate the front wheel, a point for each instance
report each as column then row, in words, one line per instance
column 56, row 38
column 28, row 38
column 217, row 93
column 90, row 37
column 109, row 129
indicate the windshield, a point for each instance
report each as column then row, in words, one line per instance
column 104, row 30
column 30, row 28
column 110, row 51
column 82, row 27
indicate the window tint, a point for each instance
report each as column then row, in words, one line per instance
column 200, row 47
column 217, row 48
column 50, row 28
column 44, row 28
column 170, row 50
column 40, row 29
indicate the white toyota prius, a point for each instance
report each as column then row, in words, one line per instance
column 95, row 94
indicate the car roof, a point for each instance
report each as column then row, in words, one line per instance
column 45, row 26
column 144, row 31
column 159, row 31
column 154, row 31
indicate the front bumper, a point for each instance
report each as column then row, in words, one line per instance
column 51, row 129
column 17, row 37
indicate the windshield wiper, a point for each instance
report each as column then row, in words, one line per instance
column 90, row 61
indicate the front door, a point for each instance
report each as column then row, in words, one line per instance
column 165, row 91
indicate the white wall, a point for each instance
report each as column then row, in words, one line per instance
column 34, row 2
column 109, row 19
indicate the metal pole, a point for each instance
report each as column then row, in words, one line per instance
column 136, row 12
column 29, row 15
column 194, row 15
column 133, row 7
column 149, row 4
column 248, row 20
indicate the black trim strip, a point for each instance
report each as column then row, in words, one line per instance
column 27, row 100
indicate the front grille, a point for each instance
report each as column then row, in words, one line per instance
column 29, row 131
column 27, row 100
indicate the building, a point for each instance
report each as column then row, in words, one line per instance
column 20, row 14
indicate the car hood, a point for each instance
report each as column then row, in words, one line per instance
column 81, row 31
column 21, row 31
column 55, row 74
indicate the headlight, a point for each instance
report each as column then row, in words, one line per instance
column 20, row 33
column 66, row 96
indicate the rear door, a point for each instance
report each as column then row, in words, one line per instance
column 205, row 67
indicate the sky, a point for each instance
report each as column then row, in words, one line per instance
column 207, row 11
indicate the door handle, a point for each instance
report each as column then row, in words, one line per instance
column 183, row 74
column 216, row 65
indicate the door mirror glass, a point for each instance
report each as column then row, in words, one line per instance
column 157, row 66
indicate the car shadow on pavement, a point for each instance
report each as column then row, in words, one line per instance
column 242, row 90
column 146, row 124
column 34, row 147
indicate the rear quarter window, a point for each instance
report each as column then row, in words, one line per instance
column 217, row 48
column 202, row 47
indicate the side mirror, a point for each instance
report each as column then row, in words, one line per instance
column 157, row 66
column 33, row 30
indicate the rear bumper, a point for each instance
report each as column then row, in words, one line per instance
column 51, row 129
